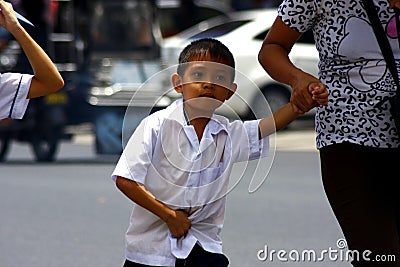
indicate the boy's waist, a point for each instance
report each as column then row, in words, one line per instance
column 208, row 240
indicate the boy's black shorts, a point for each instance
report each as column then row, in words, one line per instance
column 199, row 257
column 133, row 264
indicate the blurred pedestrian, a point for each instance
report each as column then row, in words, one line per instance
column 16, row 88
column 357, row 139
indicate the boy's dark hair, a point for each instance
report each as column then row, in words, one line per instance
column 199, row 49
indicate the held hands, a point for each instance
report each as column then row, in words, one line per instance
column 178, row 223
column 308, row 93
column 319, row 93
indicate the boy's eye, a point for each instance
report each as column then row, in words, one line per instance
column 197, row 74
column 220, row 77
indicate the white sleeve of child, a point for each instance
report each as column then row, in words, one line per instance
column 14, row 89
column 136, row 157
column 245, row 141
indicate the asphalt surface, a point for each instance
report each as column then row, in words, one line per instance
column 69, row 213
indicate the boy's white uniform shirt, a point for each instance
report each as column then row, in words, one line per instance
column 14, row 89
column 165, row 156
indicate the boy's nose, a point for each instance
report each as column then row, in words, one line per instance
column 208, row 85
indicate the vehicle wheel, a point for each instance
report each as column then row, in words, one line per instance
column 276, row 97
column 4, row 145
column 45, row 143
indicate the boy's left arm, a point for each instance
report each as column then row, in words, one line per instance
column 286, row 114
column 280, row 119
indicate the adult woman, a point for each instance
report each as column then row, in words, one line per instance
column 358, row 143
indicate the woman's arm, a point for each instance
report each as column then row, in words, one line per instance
column 46, row 77
column 274, row 58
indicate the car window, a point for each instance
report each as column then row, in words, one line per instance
column 261, row 36
column 122, row 26
column 172, row 21
column 219, row 30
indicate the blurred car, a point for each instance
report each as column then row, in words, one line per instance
column 125, row 42
column 243, row 33
column 177, row 15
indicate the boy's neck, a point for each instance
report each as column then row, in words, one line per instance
column 198, row 119
column 192, row 114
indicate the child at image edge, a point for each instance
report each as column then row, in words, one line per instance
column 176, row 164
column 17, row 88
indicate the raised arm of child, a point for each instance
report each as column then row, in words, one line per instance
column 286, row 114
column 46, row 77
column 176, row 220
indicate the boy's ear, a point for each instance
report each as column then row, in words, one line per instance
column 231, row 90
column 177, row 82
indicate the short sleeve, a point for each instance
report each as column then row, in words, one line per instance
column 137, row 155
column 14, row 89
column 246, row 145
column 298, row 14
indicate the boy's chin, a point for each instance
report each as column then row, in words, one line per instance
column 206, row 104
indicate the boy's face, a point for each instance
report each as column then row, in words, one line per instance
column 205, row 85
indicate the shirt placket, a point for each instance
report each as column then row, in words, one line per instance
column 193, row 176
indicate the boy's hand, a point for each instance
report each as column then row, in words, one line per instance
column 178, row 223
column 319, row 93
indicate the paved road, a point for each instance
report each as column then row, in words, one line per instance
column 69, row 213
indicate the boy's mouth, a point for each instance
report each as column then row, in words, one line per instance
column 208, row 95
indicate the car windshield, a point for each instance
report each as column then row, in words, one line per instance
column 172, row 21
column 219, row 30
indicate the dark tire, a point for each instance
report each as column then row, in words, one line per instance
column 4, row 146
column 45, row 142
column 276, row 96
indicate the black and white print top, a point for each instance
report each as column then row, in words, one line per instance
column 352, row 67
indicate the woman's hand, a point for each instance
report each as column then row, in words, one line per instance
column 302, row 98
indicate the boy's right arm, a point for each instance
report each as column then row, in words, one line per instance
column 176, row 220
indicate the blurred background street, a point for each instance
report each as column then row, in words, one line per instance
column 117, row 57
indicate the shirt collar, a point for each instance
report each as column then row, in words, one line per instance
column 216, row 124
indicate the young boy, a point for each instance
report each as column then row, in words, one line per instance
column 16, row 88
column 176, row 165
